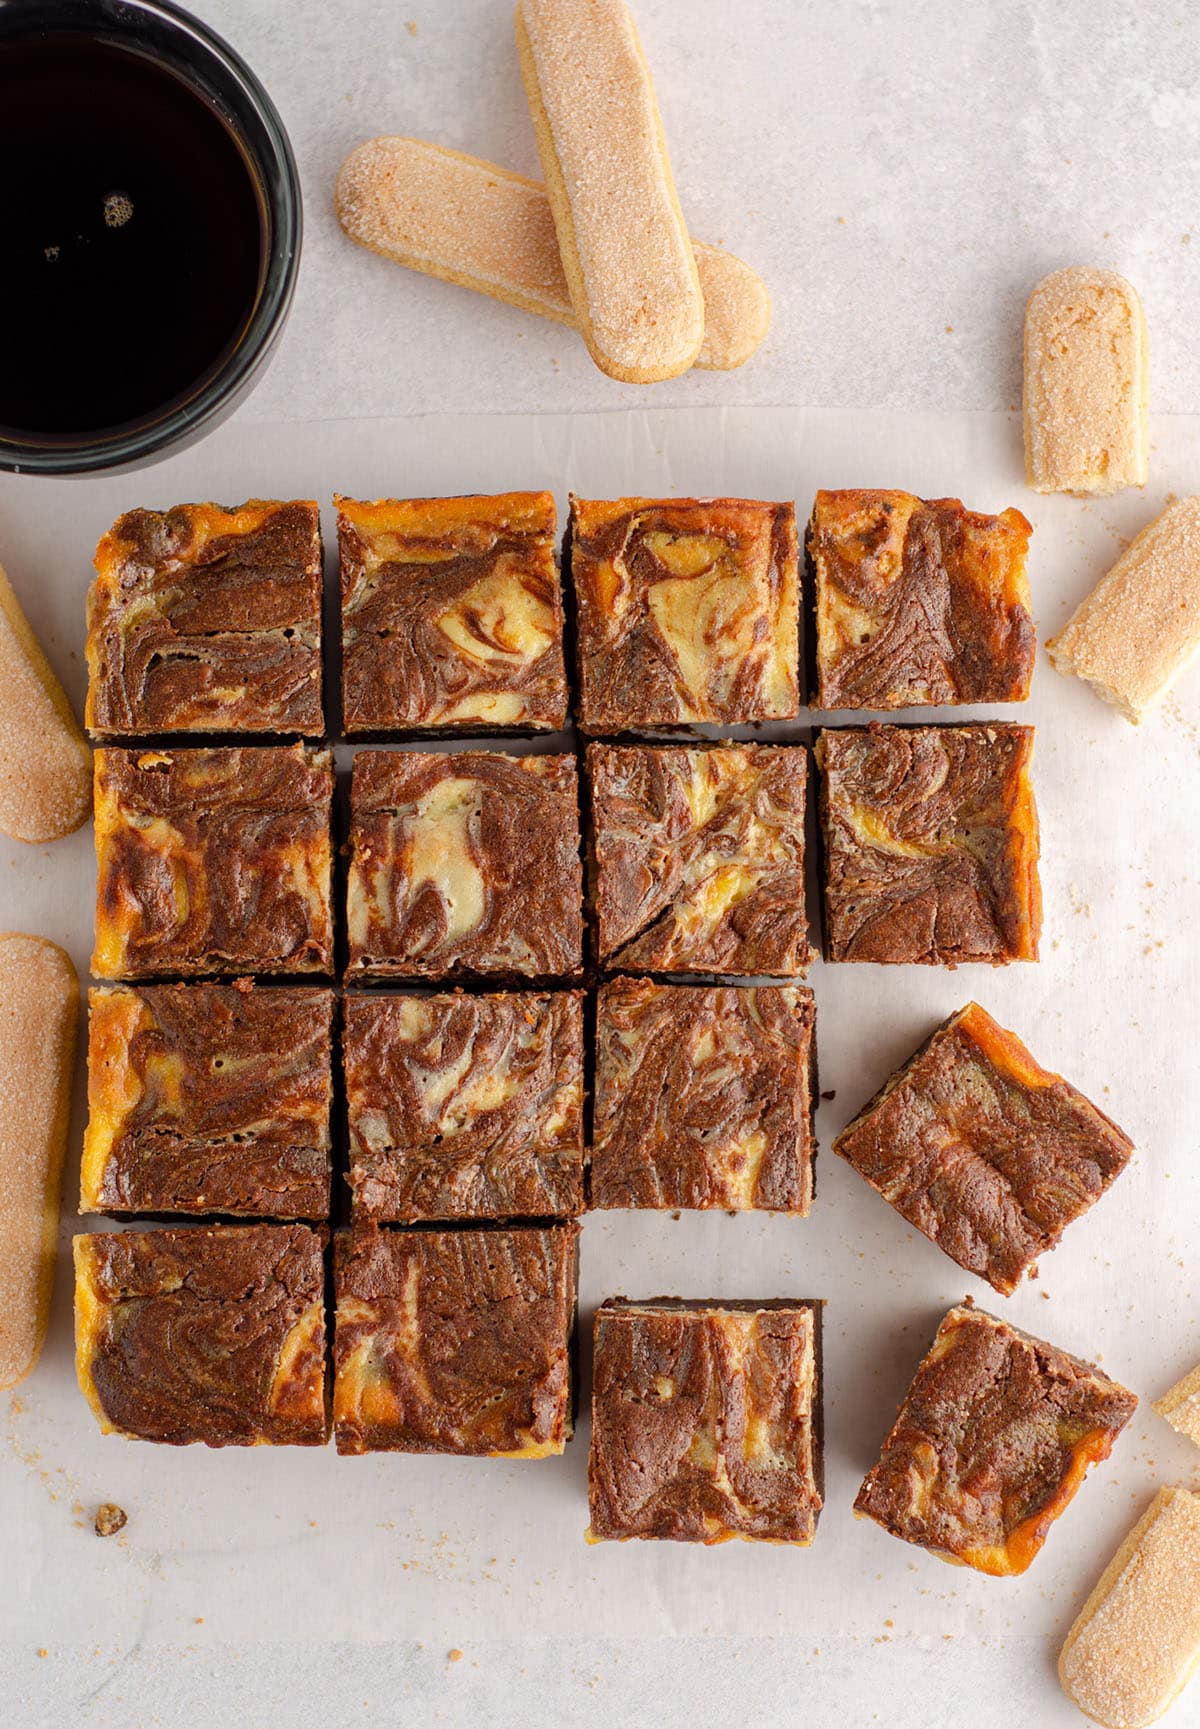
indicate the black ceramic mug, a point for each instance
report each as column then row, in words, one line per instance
column 150, row 245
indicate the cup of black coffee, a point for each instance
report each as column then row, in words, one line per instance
column 152, row 227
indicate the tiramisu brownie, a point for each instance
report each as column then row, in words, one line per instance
column 994, row 1437
column 455, row 1341
column 706, row 1421
column 918, row 603
column 930, row 844
column 213, row 861
column 203, row 619
column 698, row 858
column 988, row 1154
column 464, row 863
column 465, row 1106
column 209, row 1099
column 704, row 1096
column 214, row 1334
column 452, row 615
column 688, row 610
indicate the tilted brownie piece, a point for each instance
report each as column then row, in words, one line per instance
column 704, row 1096
column 698, row 857
column 452, row 614
column 464, row 862
column 455, row 1341
column 213, row 1334
column 930, row 844
column 209, row 1099
column 688, row 610
column 213, row 861
column 465, row 1107
column 706, row 1421
column 203, row 619
column 994, row 1437
column 919, row 602
column 989, row 1155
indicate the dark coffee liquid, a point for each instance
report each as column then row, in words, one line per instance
column 131, row 238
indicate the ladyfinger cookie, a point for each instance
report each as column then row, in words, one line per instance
column 1086, row 384
column 1181, row 1406
column 45, row 764
column 39, row 1015
column 629, row 264
column 1140, row 625
column 1137, row 1640
column 483, row 227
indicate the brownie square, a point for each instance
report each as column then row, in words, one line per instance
column 919, row 603
column 213, row 1335
column 697, row 857
column 213, row 861
column 464, row 862
column 930, row 844
column 465, row 1107
column 452, row 614
column 455, row 1341
column 704, row 1096
column 688, row 610
column 706, row 1421
column 989, row 1155
column 203, row 619
column 209, row 1099
column 994, row 1437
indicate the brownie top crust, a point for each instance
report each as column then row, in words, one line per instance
column 203, row 619
column 919, row 602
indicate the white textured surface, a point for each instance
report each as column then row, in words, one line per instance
column 890, row 167
column 967, row 150
column 253, row 1548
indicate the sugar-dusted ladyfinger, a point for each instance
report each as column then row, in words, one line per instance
column 629, row 264
column 39, row 1015
column 1140, row 625
column 1180, row 1406
column 1086, row 383
column 45, row 765
column 1137, row 1640
column 482, row 227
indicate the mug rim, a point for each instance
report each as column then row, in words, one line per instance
column 273, row 166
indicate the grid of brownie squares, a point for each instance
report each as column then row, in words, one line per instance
column 466, row 1079
column 994, row 1437
column 987, row 1153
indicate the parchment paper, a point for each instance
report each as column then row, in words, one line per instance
column 290, row 1544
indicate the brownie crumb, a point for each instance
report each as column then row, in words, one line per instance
column 110, row 1519
column 831, row 1094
